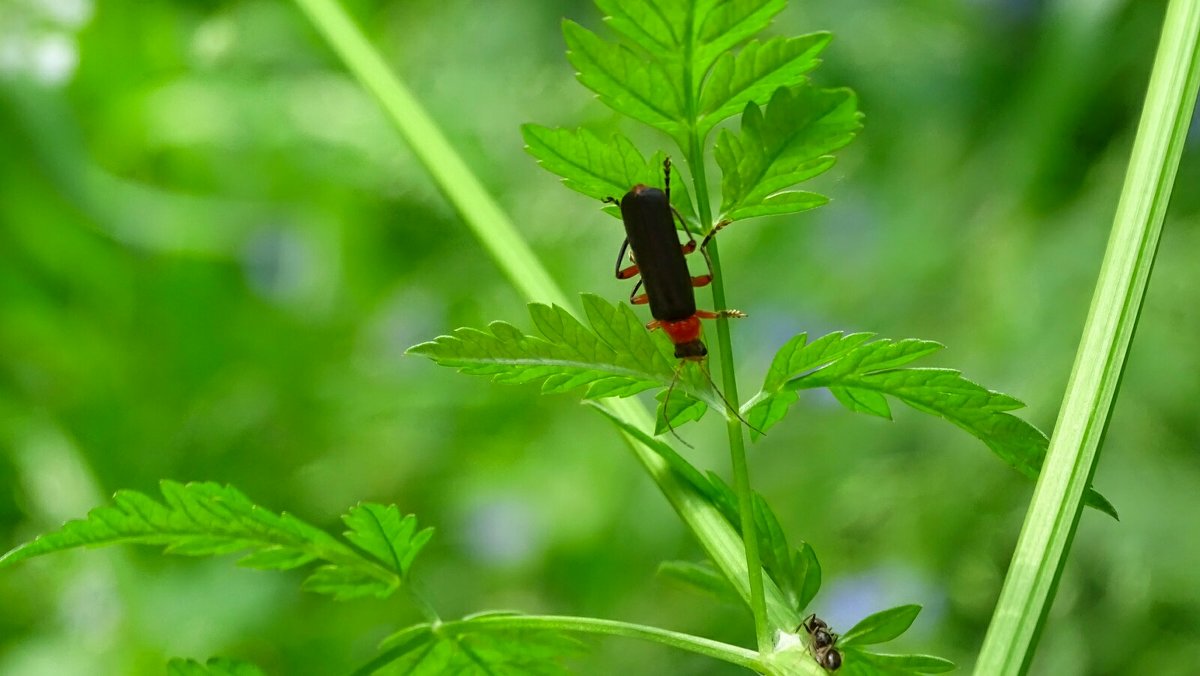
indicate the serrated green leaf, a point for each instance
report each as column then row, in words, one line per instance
column 787, row 143
column 701, row 577
column 601, row 168
column 754, row 73
column 615, row 357
column 346, row 583
column 790, row 202
column 722, row 24
column 207, row 519
column 465, row 648
column 862, row 401
column 381, row 531
column 217, row 666
column 567, row 357
column 626, row 81
column 683, row 409
column 653, row 25
column 795, row 570
column 899, row 664
column 881, row 627
column 860, row 373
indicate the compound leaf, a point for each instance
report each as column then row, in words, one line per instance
column 787, row 143
column 702, row 577
column 382, row 532
column 721, row 25
column 626, row 81
column 599, row 168
column 614, row 357
column 207, row 519
column 861, row 373
column 653, row 25
column 467, row 648
column 754, row 73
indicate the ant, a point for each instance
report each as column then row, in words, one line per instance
column 823, row 641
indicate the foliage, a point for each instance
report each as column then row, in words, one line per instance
column 477, row 649
column 206, row 519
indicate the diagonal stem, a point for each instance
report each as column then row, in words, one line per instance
column 1050, row 525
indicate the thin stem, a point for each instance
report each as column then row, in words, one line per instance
column 701, row 646
column 733, row 425
column 1053, row 516
column 586, row 625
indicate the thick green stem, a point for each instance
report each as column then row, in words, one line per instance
column 733, row 426
column 1053, row 516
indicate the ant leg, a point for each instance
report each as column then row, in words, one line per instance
column 702, row 280
column 656, row 324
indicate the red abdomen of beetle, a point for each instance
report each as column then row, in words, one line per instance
column 685, row 334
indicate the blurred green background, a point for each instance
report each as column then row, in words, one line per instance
column 214, row 251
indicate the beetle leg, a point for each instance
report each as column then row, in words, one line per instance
column 629, row 271
column 731, row 314
column 701, row 280
column 650, row 326
column 635, row 299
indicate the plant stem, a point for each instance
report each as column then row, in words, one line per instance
column 1071, row 460
column 448, row 170
column 733, row 425
column 702, row 646
column 587, row 625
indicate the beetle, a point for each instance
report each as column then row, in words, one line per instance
column 653, row 242
column 823, row 642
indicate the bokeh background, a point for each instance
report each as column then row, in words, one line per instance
column 214, row 251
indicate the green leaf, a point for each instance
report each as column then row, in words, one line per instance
column 795, row 570
column 876, row 663
column 701, row 577
column 615, row 357
column 217, row 666
column 754, row 73
column 207, row 519
column 465, row 648
column 569, row 355
column 653, row 25
column 721, row 24
column 881, row 627
column 599, row 168
column 626, row 81
column 683, row 409
column 381, row 531
column 861, row 373
column 788, row 143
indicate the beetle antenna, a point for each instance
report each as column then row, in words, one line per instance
column 667, row 401
column 728, row 406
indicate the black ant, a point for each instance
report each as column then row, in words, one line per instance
column 823, row 641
